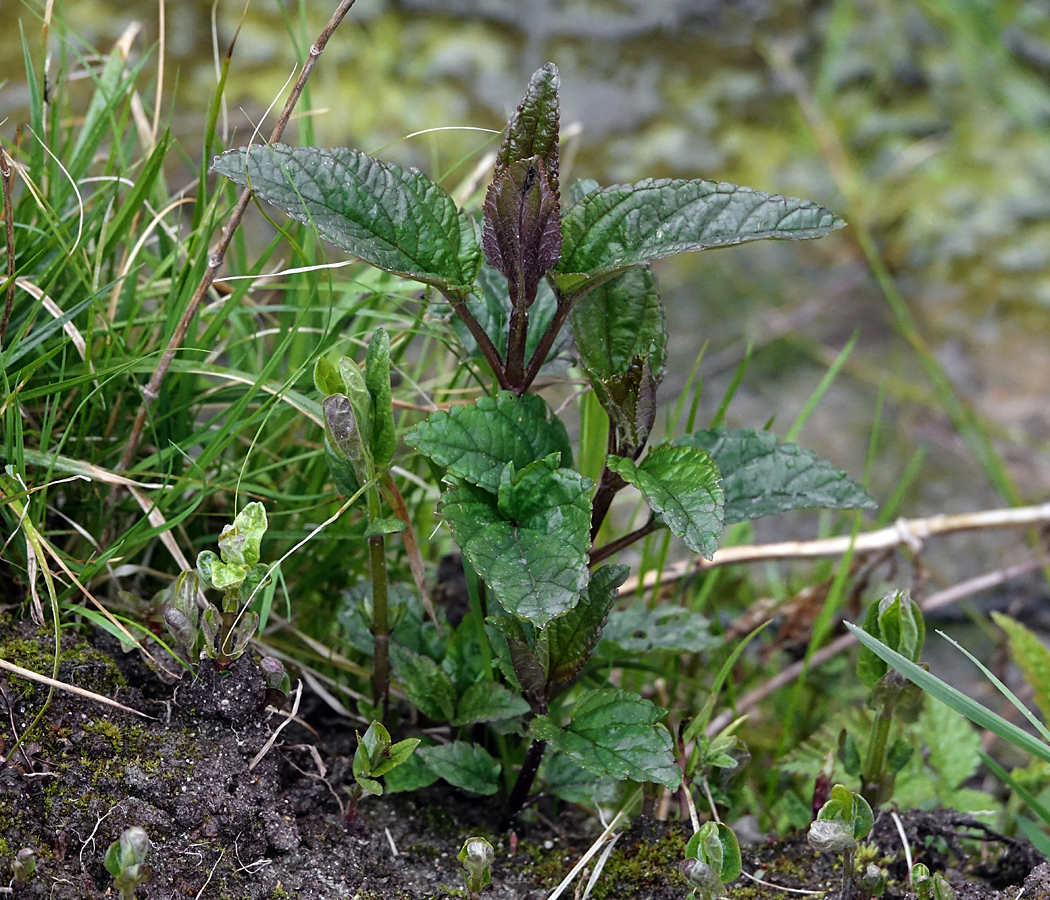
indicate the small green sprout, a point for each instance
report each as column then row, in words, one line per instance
column 840, row 824
column 712, row 857
column 873, row 881
column 237, row 572
column 930, row 888
column 125, row 861
column 23, row 867
column 374, row 757
column 278, row 683
column 897, row 621
column 477, row 856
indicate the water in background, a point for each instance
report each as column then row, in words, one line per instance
column 941, row 109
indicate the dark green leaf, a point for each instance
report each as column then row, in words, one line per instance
column 476, row 442
column 522, row 238
column 620, row 337
column 898, row 755
column 641, row 630
column 530, row 545
column 574, row 784
column 681, row 484
column 488, row 701
column 465, row 765
column 571, row 638
column 384, row 526
column 620, row 321
column 849, row 754
column 614, row 733
column 527, row 666
column 377, row 381
column 342, row 471
column 533, row 129
column 626, row 225
column 426, row 683
column 761, row 477
column 393, row 218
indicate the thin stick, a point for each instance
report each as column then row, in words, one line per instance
column 910, row 532
column 936, row 601
column 7, row 178
column 273, row 737
column 70, row 688
column 152, row 390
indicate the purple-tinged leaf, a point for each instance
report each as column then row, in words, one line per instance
column 522, row 227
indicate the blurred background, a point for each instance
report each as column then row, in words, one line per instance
column 924, row 123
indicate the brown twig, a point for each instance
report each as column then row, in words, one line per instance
column 152, row 390
column 7, row 178
column 936, row 601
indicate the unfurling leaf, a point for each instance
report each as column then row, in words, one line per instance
column 377, row 381
column 522, row 228
column 761, row 476
column 393, row 218
column 681, row 484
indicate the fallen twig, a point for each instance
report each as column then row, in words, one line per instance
column 910, row 532
column 70, row 688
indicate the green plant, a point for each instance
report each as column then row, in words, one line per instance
column 477, row 856
column 897, row 621
column 125, row 861
column 374, row 757
column 22, row 867
column 712, row 857
column 930, row 888
column 840, row 824
column 237, row 572
column 1035, row 660
column 527, row 520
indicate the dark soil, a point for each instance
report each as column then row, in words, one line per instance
column 220, row 829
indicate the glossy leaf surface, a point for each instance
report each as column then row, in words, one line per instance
column 530, row 541
column 614, row 733
column 681, row 484
column 465, row 765
column 393, row 218
column 761, row 476
column 533, row 128
column 627, row 225
column 476, row 442
column 425, row 682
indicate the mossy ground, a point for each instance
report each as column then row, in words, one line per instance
column 221, row 830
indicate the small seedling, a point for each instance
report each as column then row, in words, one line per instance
column 897, row 621
column 840, row 824
column 712, row 857
column 125, row 860
column 374, row 757
column 477, row 856
column 873, row 881
column 237, row 572
column 929, row 887
column 23, row 867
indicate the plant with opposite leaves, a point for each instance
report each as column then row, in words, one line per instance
column 525, row 518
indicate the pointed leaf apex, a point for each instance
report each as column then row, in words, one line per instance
column 533, row 129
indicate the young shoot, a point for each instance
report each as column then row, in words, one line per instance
column 896, row 621
column 23, row 867
column 374, row 757
column 929, row 887
column 712, row 857
column 125, row 861
column 227, row 628
column 476, row 856
column 839, row 826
